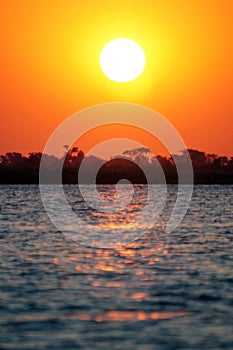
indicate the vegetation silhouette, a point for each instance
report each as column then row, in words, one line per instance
column 208, row 168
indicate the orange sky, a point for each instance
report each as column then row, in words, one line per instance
column 50, row 66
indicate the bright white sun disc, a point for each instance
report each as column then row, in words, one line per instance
column 122, row 60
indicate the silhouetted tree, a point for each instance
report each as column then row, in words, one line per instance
column 208, row 168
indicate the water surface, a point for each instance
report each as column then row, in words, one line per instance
column 159, row 292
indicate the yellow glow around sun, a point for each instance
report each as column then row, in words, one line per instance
column 122, row 60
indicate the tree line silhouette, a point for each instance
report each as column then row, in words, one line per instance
column 208, row 168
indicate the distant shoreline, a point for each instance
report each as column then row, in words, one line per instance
column 208, row 169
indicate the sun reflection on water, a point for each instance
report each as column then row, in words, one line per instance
column 130, row 316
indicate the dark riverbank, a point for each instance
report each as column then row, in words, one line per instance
column 208, row 168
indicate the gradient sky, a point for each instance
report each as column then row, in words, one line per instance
column 50, row 66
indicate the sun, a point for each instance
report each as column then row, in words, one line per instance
column 122, row 60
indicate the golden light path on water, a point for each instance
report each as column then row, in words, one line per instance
column 99, row 262
column 156, row 290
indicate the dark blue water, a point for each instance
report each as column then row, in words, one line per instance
column 158, row 292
